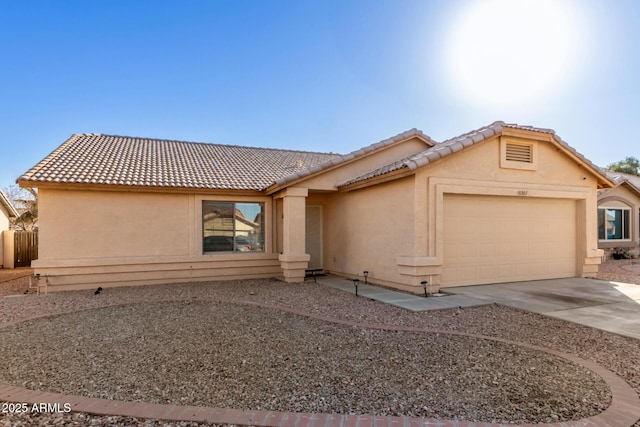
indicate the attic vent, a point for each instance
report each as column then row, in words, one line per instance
column 519, row 153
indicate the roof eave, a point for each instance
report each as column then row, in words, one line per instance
column 380, row 179
column 342, row 160
column 631, row 187
column 136, row 188
column 603, row 181
column 13, row 213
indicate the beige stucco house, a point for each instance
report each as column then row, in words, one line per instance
column 619, row 214
column 500, row 203
column 7, row 211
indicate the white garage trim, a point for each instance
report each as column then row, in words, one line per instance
column 428, row 260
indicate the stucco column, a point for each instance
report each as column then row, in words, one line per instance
column 8, row 248
column 587, row 213
column 293, row 260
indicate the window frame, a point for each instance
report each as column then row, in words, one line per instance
column 625, row 223
column 234, row 233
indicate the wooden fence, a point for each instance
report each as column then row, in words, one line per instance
column 25, row 248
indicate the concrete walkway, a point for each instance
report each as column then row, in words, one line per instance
column 402, row 299
column 610, row 306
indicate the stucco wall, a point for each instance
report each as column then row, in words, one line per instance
column 365, row 164
column 368, row 229
column 82, row 224
column 621, row 196
column 109, row 238
column 477, row 171
column 4, row 225
column 394, row 230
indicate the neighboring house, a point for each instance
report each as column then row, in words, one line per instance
column 499, row 204
column 619, row 214
column 7, row 211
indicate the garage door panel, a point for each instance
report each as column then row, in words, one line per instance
column 491, row 239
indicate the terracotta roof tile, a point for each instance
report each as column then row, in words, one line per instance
column 130, row 161
column 453, row 145
column 338, row 159
column 621, row 178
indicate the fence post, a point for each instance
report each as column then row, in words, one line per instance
column 8, row 245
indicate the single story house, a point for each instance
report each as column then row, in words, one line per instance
column 501, row 203
column 619, row 214
column 7, row 211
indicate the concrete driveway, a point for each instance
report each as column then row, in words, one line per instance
column 611, row 306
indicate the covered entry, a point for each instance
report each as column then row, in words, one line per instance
column 313, row 236
column 493, row 239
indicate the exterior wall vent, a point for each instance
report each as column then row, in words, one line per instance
column 519, row 153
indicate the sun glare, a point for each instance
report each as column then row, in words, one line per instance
column 508, row 53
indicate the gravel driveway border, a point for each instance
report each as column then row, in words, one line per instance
column 624, row 409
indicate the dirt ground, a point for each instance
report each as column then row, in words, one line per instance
column 623, row 270
column 14, row 281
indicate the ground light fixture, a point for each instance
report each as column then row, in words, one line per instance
column 424, row 286
column 366, row 274
column 356, row 282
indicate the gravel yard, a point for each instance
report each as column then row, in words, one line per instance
column 205, row 344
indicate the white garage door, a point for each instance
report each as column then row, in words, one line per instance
column 492, row 239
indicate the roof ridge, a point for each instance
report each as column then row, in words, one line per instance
column 530, row 128
column 342, row 158
column 204, row 143
column 497, row 125
column 460, row 142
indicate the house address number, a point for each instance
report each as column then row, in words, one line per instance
column 522, row 192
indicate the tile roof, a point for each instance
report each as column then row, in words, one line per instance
column 446, row 148
column 128, row 161
column 358, row 153
column 621, row 178
column 438, row 151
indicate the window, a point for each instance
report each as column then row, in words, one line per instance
column 232, row 227
column 613, row 224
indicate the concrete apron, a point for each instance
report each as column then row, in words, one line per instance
column 610, row 306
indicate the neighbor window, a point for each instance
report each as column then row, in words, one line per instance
column 232, row 227
column 613, row 224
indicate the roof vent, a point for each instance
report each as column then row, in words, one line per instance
column 519, row 153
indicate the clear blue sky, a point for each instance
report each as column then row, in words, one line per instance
column 315, row 75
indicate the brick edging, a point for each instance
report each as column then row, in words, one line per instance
column 623, row 411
